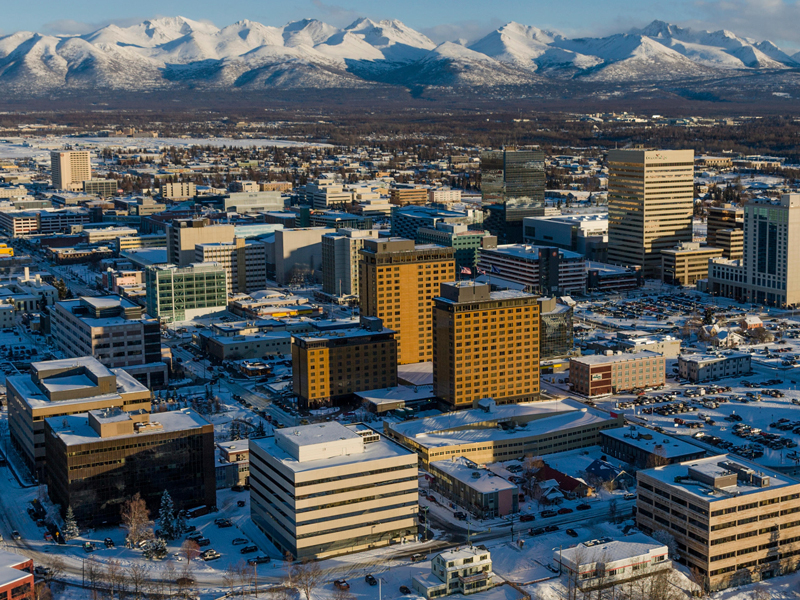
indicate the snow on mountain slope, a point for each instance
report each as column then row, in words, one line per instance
column 177, row 51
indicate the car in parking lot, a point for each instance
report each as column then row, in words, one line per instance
column 583, row 506
column 404, row 589
column 341, row 584
column 572, row 533
column 257, row 560
column 526, row 518
column 370, row 579
column 240, row 541
column 203, row 541
column 537, row 531
column 248, row 549
column 551, row 528
column 545, row 514
column 15, row 535
column 210, row 555
column 564, row 511
column 108, row 542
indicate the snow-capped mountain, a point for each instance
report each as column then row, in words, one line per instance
column 175, row 52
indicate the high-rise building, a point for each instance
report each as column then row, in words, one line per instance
column 767, row 273
column 329, row 367
column 407, row 220
column 541, row 270
column 179, row 191
column 686, row 263
column 70, row 169
column 340, row 257
column 184, row 234
column 723, row 224
column 486, row 345
column 327, row 489
column 397, row 283
column 466, row 242
column 58, row 388
column 556, row 335
column 650, row 205
column 111, row 329
column 733, row 521
column 175, row 294
column 98, row 459
column 512, row 187
column 245, row 261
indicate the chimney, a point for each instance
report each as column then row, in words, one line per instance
column 27, row 273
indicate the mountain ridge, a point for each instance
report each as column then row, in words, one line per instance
column 178, row 52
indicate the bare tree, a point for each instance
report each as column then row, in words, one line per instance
column 666, row 538
column 55, row 569
column 93, row 575
column 340, row 594
column 612, row 510
column 190, row 550
column 657, row 458
column 696, row 577
column 115, row 578
column 136, row 519
column 760, row 594
column 229, row 578
column 245, row 574
column 138, row 574
column 169, row 575
column 306, row 576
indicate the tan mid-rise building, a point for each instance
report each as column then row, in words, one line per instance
column 184, row 234
column 398, row 280
column 731, row 242
column 733, row 521
column 485, row 345
column 686, row 263
column 725, row 229
column 329, row 367
column 650, row 205
column 328, row 489
column 70, row 169
column 401, row 195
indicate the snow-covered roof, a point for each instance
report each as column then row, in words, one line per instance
column 658, row 443
column 464, row 470
column 608, row 551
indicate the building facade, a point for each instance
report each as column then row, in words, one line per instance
column 650, row 205
column 543, row 270
column 330, row 367
column 16, row 577
column 397, row 283
column 175, row 294
column 462, row 571
column 70, row 169
column 340, row 258
column 183, row 235
column 245, row 262
column 477, row 489
column 725, row 229
column 467, row 243
column 326, row 489
column 602, row 375
column 697, row 368
column 97, row 460
column 584, row 234
column 556, row 335
column 686, row 263
column 733, row 521
column 486, row 345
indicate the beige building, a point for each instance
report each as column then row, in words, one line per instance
column 183, row 235
column 397, row 283
column 70, row 169
column 298, row 253
column 245, row 262
column 725, row 229
column 603, row 375
column 340, row 258
column 686, row 263
column 327, row 489
column 58, row 388
column 179, row 191
column 733, row 521
column 650, row 205
column 401, row 195
column 485, row 345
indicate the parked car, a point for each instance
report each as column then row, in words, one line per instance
column 257, row 560
column 108, row 542
column 418, row 557
column 526, row 518
column 538, row 531
column 210, row 555
column 241, row 503
column 370, row 579
column 551, row 528
column 404, row 589
column 583, row 506
column 40, row 570
column 15, row 535
column 203, row 542
column 88, row 547
column 629, row 497
column 341, row 584
column 248, row 549
column 240, row 541
column 548, row 513
column 461, row 516
column 572, row 533
column 564, row 511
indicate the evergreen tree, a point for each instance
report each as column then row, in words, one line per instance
column 259, row 432
column 166, row 517
column 235, row 434
column 180, row 523
column 70, row 525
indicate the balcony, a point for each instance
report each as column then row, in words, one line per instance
column 475, row 578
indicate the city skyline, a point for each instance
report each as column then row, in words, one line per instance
column 445, row 21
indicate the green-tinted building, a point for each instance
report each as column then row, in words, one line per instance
column 181, row 294
column 466, row 242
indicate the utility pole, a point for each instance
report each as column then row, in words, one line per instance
column 255, row 577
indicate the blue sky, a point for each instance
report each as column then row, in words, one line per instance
column 440, row 19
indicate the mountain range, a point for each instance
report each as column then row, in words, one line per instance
column 179, row 53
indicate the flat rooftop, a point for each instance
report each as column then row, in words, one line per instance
column 608, row 550
column 668, row 447
column 530, row 252
column 711, row 467
column 75, row 429
column 380, row 450
column 400, row 393
column 465, row 471
column 355, row 332
column 602, row 359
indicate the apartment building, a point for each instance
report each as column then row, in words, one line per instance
column 330, row 367
column 104, row 188
column 544, row 270
column 601, row 375
column 325, row 193
column 486, row 345
column 458, row 571
column 298, row 254
column 397, row 283
column 686, row 263
column 340, row 258
column 402, row 195
column 132, row 242
column 244, row 261
column 70, row 169
column 443, row 196
column 113, row 330
column 650, row 204
column 725, row 229
column 16, row 577
column 98, row 459
column 183, row 235
column 327, row 489
column 734, row 521
column 175, row 294
column 58, row 388
column 708, row 367
column 179, row 191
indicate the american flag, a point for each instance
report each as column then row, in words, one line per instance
column 466, row 271
column 480, row 271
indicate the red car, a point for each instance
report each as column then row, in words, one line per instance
column 564, row 511
column 526, row 518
